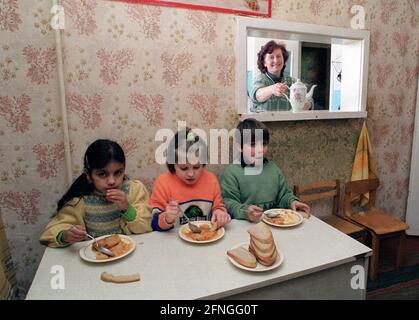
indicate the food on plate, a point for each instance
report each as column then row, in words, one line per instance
column 109, row 242
column 100, row 255
column 107, row 277
column 243, row 256
column 114, row 243
column 207, row 232
column 285, row 217
column 262, row 244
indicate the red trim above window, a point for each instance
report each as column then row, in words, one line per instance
column 180, row 4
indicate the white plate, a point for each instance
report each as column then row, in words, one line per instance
column 300, row 218
column 259, row 267
column 86, row 252
column 220, row 232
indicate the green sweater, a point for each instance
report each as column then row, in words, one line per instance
column 273, row 103
column 267, row 190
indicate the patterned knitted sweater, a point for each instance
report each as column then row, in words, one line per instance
column 100, row 216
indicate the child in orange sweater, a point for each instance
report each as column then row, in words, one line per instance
column 187, row 189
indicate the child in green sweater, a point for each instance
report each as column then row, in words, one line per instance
column 247, row 194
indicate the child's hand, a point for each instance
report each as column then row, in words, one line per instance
column 297, row 205
column 172, row 210
column 254, row 213
column 119, row 197
column 74, row 234
column 220, row 218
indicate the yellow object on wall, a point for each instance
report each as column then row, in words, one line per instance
column 364, row 164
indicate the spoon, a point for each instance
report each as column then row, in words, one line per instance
column 101, row 248
column 272, row 214
column 193, row 227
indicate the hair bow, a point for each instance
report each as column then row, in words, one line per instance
column 191, row 136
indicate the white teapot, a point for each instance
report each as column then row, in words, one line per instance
column 299, row 96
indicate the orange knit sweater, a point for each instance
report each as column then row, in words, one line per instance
column 196, row 201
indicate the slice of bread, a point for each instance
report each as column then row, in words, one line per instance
column 263, row 254
column 268, row 263
column 261, row 232
column 243, row 256
column 264, row 248
column 265, row 260
column 107, row 277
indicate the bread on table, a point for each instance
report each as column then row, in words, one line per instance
column 266, row 248
column 261, row 232
column 266, row 261
column 243, row 257
column 107, row 277
column 110, row 241
column 262, row 244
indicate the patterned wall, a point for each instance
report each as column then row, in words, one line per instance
column 132, row 69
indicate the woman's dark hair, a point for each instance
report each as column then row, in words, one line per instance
column 98, row 155
column 251, row 125
column 185, row 139
column 269, row 48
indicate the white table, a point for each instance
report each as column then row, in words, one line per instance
column 317, row 265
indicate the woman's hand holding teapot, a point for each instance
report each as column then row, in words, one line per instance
column 278, row 89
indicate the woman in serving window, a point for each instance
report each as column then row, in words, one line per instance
column 270, row 86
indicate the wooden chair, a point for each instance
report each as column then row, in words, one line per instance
column 379, row 224
column 317, row 191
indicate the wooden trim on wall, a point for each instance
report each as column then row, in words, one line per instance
column 412, row 212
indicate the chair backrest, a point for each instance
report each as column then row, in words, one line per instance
column 359, row 187
column 315, row 191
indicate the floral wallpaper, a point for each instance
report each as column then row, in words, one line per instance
column 130, row 69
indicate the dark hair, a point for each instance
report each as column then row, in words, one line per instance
column 185, row 138
column 269, row 48
column 252, row 125
column 98, row 155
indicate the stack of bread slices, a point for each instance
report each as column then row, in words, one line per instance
column 262, row 244
column 261, row 249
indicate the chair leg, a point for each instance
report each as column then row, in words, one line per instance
column 364, row 236
column 400, row 252
column 360, row 236
column 375, row 255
